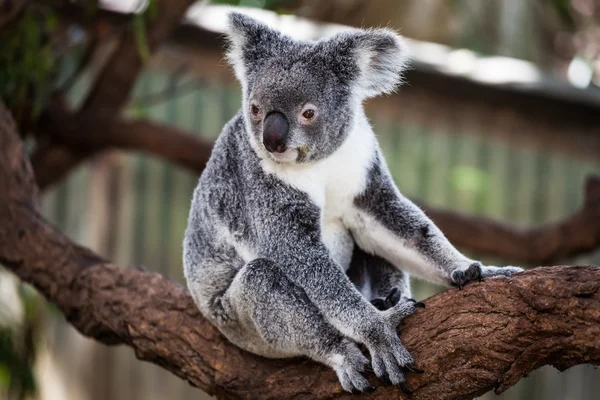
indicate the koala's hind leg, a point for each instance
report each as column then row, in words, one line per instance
column 277, row 319
column 378, row 280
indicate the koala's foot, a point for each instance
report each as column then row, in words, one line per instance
column 389, row 359
column 476, row 271
column 348, row 364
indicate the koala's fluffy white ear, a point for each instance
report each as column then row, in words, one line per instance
column 250, row 41
column 381, row 56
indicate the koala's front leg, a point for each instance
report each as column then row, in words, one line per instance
column 307, row 263
column 388, row 224
column 332, row 292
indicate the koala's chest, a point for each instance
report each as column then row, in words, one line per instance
column 338, row 240
column 337, row 207
column 332, row 185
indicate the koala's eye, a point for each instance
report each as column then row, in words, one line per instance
column 309, row 114
column 255, row 110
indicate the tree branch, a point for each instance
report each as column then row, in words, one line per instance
column 106, row 132
column 10, row 11
column 468, row 342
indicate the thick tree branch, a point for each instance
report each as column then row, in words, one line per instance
column 546, row 244
column 106, row 132
column 468, row 342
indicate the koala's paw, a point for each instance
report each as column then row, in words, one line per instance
column 389, row 359
column 476, row 271
column 494, row 272
column 460, row 277
column 348, row 365
column 391, row 363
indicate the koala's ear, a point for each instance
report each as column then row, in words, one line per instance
column 381, row 56
column 250, row 42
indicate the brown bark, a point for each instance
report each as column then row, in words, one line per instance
column 468, row 342
column 92, row 133
column 10, row 11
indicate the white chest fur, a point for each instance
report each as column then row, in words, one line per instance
column 333, row 183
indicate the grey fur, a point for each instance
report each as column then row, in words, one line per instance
column 268, row 257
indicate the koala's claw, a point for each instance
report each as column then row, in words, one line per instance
column 418, row 304
column 385, row 379
column 404, row 389
column 414, row 370
column 390, row 301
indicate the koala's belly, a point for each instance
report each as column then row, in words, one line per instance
column 339, row 241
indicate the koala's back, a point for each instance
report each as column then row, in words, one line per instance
column 217, row 213
column 217, row 198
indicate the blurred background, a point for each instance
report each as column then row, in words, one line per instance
column 500, row 117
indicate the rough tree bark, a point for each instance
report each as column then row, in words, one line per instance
column 483, row 338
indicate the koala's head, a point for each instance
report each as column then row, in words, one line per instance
column 300, row 98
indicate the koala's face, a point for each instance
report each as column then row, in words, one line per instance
column 300, row 98
column 297, row 110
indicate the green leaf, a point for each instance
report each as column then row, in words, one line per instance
column 5, row 376
column 152, row 10
column 139, row 29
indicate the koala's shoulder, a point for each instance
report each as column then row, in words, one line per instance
column 220, row 189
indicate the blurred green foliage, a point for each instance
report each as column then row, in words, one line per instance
column 267, row 4
column 563, row 10
column 470, row 179
column 28, row 60
column 18, row 348
column 16, row 374
column 139, row 25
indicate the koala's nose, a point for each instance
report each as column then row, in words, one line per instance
column 275, row 132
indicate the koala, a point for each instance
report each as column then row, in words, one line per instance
column 298, row 241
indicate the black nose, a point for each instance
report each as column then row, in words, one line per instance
column 275, row 132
